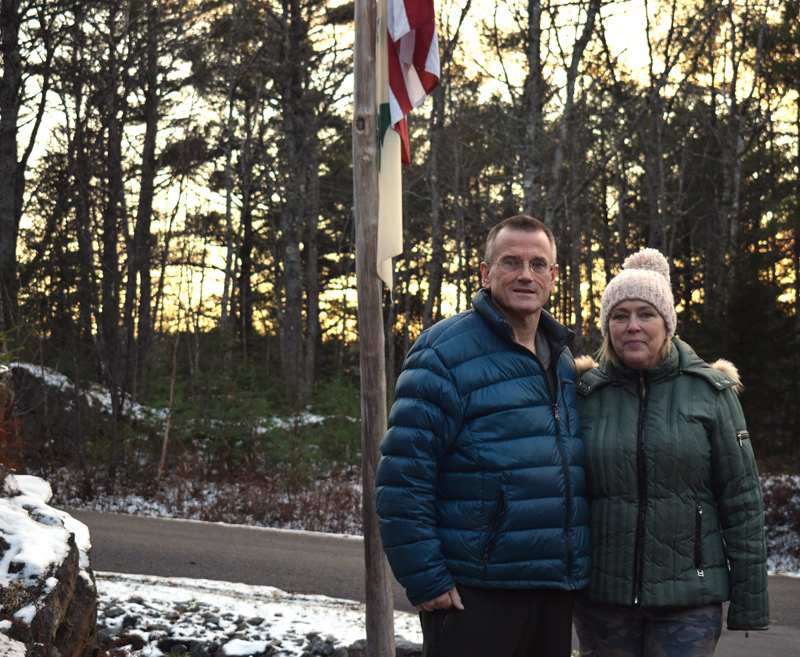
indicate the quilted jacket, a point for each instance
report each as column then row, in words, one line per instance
column 481, row 480
column 677, row 515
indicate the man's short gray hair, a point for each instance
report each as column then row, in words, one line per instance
column 518, row 222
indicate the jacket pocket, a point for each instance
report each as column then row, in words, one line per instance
column 494, row 526
column 698, row 539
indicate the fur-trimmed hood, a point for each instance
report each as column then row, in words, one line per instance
column 725, row 367
column 731, row 371
column 584, row 363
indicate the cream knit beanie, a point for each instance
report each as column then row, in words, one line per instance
column 645, row 276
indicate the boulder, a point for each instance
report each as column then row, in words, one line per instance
column 48, row 591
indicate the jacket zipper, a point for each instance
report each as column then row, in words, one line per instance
column 698, row 546
column 568, row 497
column 494, row 527
column 638, row 560
column 563, row 388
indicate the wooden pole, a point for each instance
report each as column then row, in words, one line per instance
column 380, row 612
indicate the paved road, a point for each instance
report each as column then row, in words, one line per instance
column 305, row 562
column 300, row 562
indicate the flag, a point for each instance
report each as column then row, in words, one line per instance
column 407, row 71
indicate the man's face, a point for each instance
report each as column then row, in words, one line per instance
column 520, row 294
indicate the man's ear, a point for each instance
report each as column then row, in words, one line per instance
column 553, row 277
column 485, row 275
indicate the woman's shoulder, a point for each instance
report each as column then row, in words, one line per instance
column 583, row 364
column 722, row 374
column 590, row 374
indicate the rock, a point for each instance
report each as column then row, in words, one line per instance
column 11, row 648
column 357, row 648
column 171, row 646
column 54, row 605
column 200, row 650
column 131, row 620
column 135, row 641
column 48, row 408
column 106, row 635
column 403, row 648
column 66, row 616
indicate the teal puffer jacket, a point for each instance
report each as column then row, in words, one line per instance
column 677, row 515
column 481, row 480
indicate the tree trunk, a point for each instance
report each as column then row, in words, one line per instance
column 436, row 269
column 109, row 257
column 245, row 287
column 10, row 89
column 533, row 107
column 299, row 128
column 311, row 253
column 142, row 239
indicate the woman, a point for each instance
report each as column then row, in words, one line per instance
column 676, row 509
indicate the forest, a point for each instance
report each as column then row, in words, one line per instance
column 177, row 220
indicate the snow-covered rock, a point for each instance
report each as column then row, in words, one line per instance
column 47, row 588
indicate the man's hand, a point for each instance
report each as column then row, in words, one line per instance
column 444, row 601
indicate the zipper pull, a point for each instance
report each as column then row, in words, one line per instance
column 555, row 411
column 700, row 572
column 486, row 561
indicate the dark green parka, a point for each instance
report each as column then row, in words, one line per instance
column 677, row 514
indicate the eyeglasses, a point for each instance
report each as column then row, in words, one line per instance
column 512, row 266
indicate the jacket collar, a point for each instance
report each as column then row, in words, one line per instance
column 607, row 372
column 682, row 359
column 558, row 335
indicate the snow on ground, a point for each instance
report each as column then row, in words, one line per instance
column 782, row 507
column 239, row 618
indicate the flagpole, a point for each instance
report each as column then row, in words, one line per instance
column 378, row 580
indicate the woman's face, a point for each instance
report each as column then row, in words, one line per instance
column 638, row 333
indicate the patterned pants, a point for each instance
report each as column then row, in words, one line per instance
column 622, row 631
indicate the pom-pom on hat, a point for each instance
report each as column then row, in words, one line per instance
column 645, row 276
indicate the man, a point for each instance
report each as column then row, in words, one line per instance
column 480, row 487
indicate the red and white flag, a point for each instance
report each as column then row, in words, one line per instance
column 408, row 70
column 413, row 60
